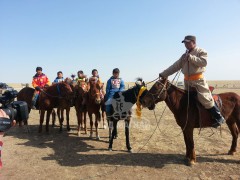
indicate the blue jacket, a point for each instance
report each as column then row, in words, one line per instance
column 57, row 80
column 114, row 85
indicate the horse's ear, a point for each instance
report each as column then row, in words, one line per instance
column 143, row 83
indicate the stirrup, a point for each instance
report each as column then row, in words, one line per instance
column 218, row 123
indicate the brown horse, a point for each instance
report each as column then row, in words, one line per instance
column 93, row 104
column 103, row 107
column 66, row 104
column 80, row 93
column 198, row 117
column 49, row 98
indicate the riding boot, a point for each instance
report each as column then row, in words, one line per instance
column 215, row 112
column 34, row 100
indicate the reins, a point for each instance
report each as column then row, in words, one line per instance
column 59, row 92
column 158, row 120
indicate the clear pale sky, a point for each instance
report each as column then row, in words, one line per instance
column 140, row 37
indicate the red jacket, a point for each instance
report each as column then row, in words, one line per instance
column 40, row 80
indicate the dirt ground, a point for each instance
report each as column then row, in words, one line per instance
column 158, row 153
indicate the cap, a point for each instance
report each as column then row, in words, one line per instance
column 189, row 38
column 59, row 72
column 80, row 72
column 38, row 69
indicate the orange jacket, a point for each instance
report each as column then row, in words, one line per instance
column 40, row 80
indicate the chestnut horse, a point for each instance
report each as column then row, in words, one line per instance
column 49, row 98
column 81, row 90
column 93, row 104
column 66, row 104
column 122, row 103
column 198, row 117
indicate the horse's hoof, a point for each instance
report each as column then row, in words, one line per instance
column 231, row 152
column 115, row 137
column 191, row 162
column 91, row 136
column 104, row 126
column 68, row 129
column 109, row 149
column 130, row 150
column 98, row 138
column 78, row 134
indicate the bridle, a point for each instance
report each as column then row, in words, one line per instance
column 160, row 91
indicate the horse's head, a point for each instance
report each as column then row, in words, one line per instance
column 140, row 88
column 157, row 93
column 95, row 89
column 81, row 87
column 64, row 89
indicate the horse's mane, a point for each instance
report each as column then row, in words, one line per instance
column 170, row 85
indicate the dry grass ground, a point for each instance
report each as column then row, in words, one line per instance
column 66, row 156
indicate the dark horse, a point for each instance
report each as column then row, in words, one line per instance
column 198, row 117
column 49, row 98
column 122, row 103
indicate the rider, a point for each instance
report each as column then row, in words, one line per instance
column 81, row 76
column 39, row 81
column 97, row 79
column 193, row 64
column 59, row 77
column 114, row 84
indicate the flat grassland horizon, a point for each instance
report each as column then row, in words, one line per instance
column 231, row 84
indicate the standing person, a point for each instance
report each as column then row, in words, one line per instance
column 114, row 84
column 193, row 64
column 39, row 81
column 2, row 116
column 59, row 77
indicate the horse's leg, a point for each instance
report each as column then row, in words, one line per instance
column 234, row 131
column 190, row 151
column 91, row 124
column 97, row 118
column 85, row 121
column 127, row 123
column 67, row 116
column 59, row 119
column 116, row 132
column 47, row 120
column 78, row 119
column 113, row 134
column 53, row 118
column 42, row 113
column 103, row 118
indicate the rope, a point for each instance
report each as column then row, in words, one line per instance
column 158, row 120
column 152, row 81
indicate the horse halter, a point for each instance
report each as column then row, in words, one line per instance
column 160, row 91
